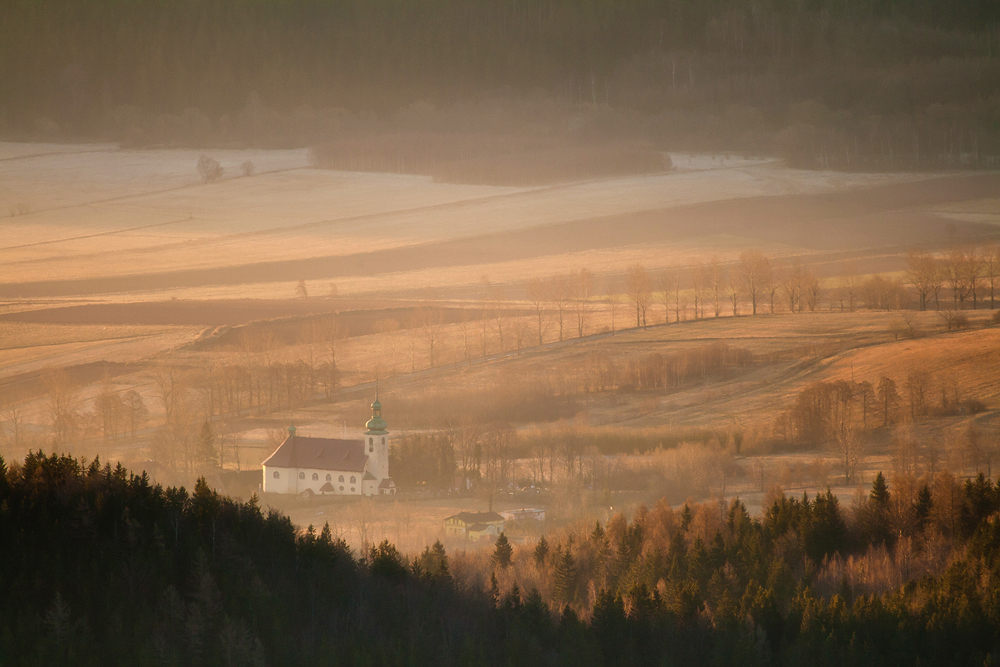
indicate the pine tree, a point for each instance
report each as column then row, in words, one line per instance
column 433, row 563
column 717, row 555
column 503, row 552
column 565, row 578
column 824, row 531
column 880, row 490
column 494, row 589
column 512, row 600
column 923, row 507
column 598, row 535
column 541, row 551
column 686, row 517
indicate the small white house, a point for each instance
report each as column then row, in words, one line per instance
column 328, row 466
column 524, row 514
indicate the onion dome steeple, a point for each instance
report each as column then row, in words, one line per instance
column 376, row 425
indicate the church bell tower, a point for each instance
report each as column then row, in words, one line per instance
column 377, row 442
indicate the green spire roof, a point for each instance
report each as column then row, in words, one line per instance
column 376, row 425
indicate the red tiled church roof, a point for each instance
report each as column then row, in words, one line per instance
column 319, row 453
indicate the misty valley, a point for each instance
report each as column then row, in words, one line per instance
column 499, row 332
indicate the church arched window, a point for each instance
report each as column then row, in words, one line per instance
column 341, row 480
column 329, row 478
column 302, row 475
column 277, row 475
column 315, row 477
column 383, row 440
column 353, row 480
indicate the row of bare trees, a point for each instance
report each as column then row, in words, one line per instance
column 114, row 414
column 563, row 305
column 714, row 288
column 966, row 274
column 843, row 412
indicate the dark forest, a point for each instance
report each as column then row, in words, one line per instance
column 99, row 567
column 850, row 85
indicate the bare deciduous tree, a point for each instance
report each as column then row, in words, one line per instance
column 921, row 272
column 498, row 456
column 991, row 269
column 717, row 280
column 60, row 394
column 666, row 286
column 466, row 437
column 850, row 445
column 561, row 293
column 538, row 294
column 611, row 297
column 733, row 289
column 639, row 288
column 583, row 288
column 955, row 276
column 428, row 321
column 754, row 269
column 12, row 409
column 700, row 279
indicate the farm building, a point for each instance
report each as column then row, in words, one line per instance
column 524, row 514
column 474, row 526
column 328, row 466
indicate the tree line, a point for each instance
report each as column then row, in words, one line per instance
column 965, row 274
column 101, row 567
column 851, row 85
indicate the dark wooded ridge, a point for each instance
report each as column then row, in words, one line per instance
column 848, row 84
column 99, row 568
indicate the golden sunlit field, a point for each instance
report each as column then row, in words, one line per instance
column 125, row 271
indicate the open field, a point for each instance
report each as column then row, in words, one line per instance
column 126, row 270
column 90, row 216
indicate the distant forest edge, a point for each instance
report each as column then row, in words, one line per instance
column 583, row 86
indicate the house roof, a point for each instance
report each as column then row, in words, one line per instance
column 477, row 517
column 368, row 477
column 298, row 451
column 387, row 483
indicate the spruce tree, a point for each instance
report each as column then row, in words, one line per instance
column 923, row 507
column 433, row 563
column 541, row 551
column 494, row 589
column 686, row 517
column 880, row 490
column 565, row 578
column 503, row 552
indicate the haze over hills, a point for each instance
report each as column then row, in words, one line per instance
column 680, row 318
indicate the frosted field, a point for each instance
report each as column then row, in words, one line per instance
column 100, row 211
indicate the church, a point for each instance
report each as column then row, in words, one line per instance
column 328, row 466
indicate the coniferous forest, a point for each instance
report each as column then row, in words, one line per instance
column 99, row 567
column 845, row 84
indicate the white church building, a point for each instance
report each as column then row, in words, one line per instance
column 327, row 466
